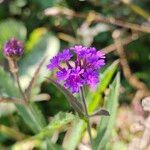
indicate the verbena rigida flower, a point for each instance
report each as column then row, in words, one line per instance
column 13, row 48
column 78, row 66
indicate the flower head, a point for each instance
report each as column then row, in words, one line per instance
column 83, row 71
column 13, row 48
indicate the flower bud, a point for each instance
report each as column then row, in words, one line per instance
column 13, row 49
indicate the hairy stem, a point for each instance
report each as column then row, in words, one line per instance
column 16, row 76
column 14, row 70
column 86, row 114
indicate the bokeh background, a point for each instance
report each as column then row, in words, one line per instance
column 118, row 27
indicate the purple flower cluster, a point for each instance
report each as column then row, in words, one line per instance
column 83, row 70
column 13, row 48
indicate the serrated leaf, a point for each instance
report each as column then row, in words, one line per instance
column 71, row 99
column 58, row 122
column 107, row 123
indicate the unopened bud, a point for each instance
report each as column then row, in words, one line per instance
column 13, row 49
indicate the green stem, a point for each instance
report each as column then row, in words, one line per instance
column 13, row 66
column 16, row 76
column 14, row 70
column 86, row 115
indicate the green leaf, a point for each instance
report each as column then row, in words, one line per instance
column 75, row 133
column 77, row 106
column 11, row 28
column 52, row 146
column 31, row 115
column 7, row 89
column 58, row 122
column 36, row 144
column 93, row 98
column 107, row 123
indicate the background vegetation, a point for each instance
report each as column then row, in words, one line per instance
column 118, row 27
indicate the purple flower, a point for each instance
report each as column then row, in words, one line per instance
column 80, row 50
column 54, row 63
column 83, row 71
column 74, row 80
column 63, row 74
column 65, row 55
column 13, row 48
column 91, row 77
column 74, row 83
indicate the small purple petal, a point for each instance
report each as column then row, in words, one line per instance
column 74, row 83
column 91, row 77
column 80, row 50
column 65, row 55
column 101, row 54
column 62, row 74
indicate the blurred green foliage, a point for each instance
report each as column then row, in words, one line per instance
column 49, row 124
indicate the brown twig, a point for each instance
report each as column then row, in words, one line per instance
column 123, row 24
column 142, row 90
column 11, row 100
column 125, row 41
column 55, row 11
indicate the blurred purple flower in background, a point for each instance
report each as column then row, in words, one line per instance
column 83, row 71
column 13, row 48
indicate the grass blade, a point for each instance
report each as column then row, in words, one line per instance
column 107, row 123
